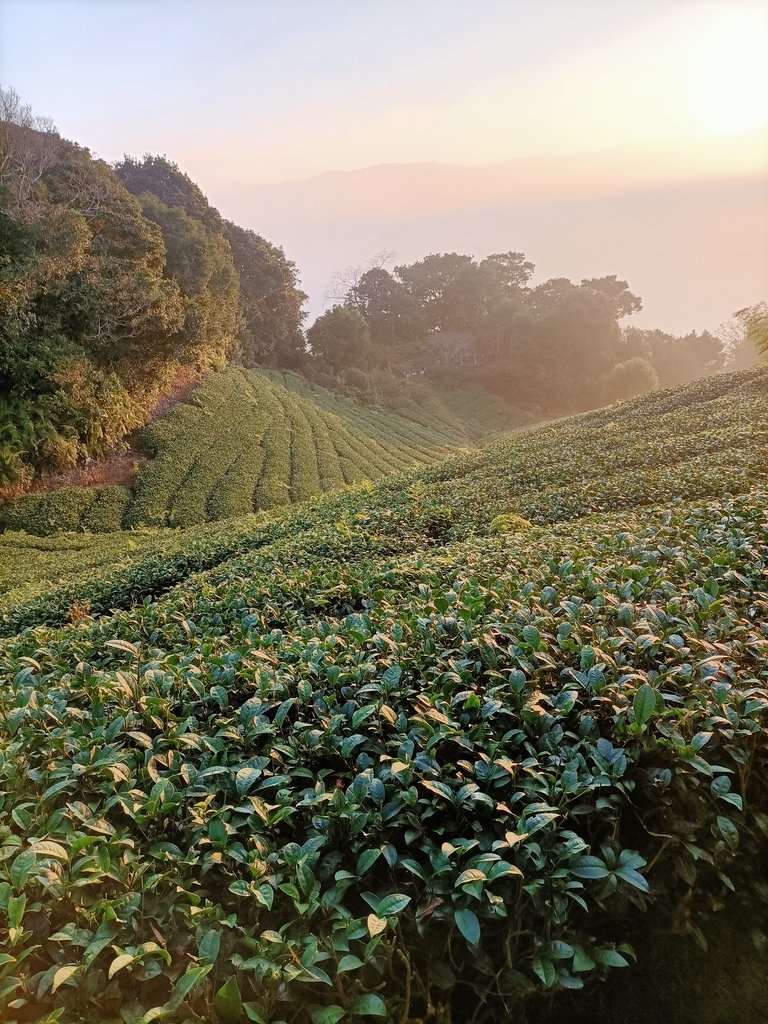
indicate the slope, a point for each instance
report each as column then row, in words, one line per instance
column 399, row 751
column 705, row 439
column 245, row 440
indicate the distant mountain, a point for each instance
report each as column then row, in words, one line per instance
column 693, row 246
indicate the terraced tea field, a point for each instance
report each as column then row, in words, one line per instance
column 248, row 441
column 414, row 751
column 454, row 417
column 706, row 439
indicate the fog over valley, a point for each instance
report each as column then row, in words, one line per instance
column 685, row 231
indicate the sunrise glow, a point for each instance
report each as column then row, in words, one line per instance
column 729, row 80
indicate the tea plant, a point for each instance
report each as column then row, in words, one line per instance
column 346, row 790
column 249, row 441
column 641, row 453
column 371, row 757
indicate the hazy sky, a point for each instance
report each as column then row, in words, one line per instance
column 279, row 89
column 242, row 93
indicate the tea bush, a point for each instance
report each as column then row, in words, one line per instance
column 248, row 441
column 56, row 512
column 105, row 514
column 559, row 471
column 509, row 522
column 363, row 758
column 346, row 789
column 456, row 418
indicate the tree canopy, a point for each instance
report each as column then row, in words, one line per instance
column 556, row 346
column 755, row 322
column 340, row 338
column 270, row 300
column 110, row 280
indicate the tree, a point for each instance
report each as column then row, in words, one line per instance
column 465, row 300
column 391, row 312
column 101, row 295
column 429, row 281
column 121, row 305
column 506, row 332
column 200, row 261
column 624, row 302
column 635, row 376
column 165, row 180
column 270, row 300
column 511, row 272
column 342, row 286
column 577, row 338
column 677, row 360
column 738, row 352
column 84, row 305
column 755, row 320
column 28, row 148
column 110, row 280
column 339, row 339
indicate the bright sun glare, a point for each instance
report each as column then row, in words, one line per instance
column 729, row 84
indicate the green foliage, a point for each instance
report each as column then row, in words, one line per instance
column 376, row 756
column 392, row 749
column 509, row 522
column 58, row 512
column 340, row 338
column 392, row 314
column 105, row 514
column 633, row 377
column 82, row 298
column 617, row 293
column 555, row 348
column 109, row 281
column 271, row 301
column 246, row 441
column 676, row 360
column 599, row 462
column 755, row 321
column 164, row 179
column 200, row 261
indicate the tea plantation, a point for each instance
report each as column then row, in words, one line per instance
column 431, row 750
column 246, row 441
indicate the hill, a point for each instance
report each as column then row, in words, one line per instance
column 116, row 281
column 440, row 742
column 121, row 282
column 247, row 440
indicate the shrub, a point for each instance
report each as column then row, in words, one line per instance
column 250, row 440
column 359, row 787
column 510, row 522
column 44, row 514
column 633, row 377
column 105, row 515
column 304, row 476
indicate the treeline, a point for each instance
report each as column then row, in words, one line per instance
column 557, row 346
column 113, row 280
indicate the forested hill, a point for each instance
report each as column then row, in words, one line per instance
column 120, row 285
column 116, row 283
